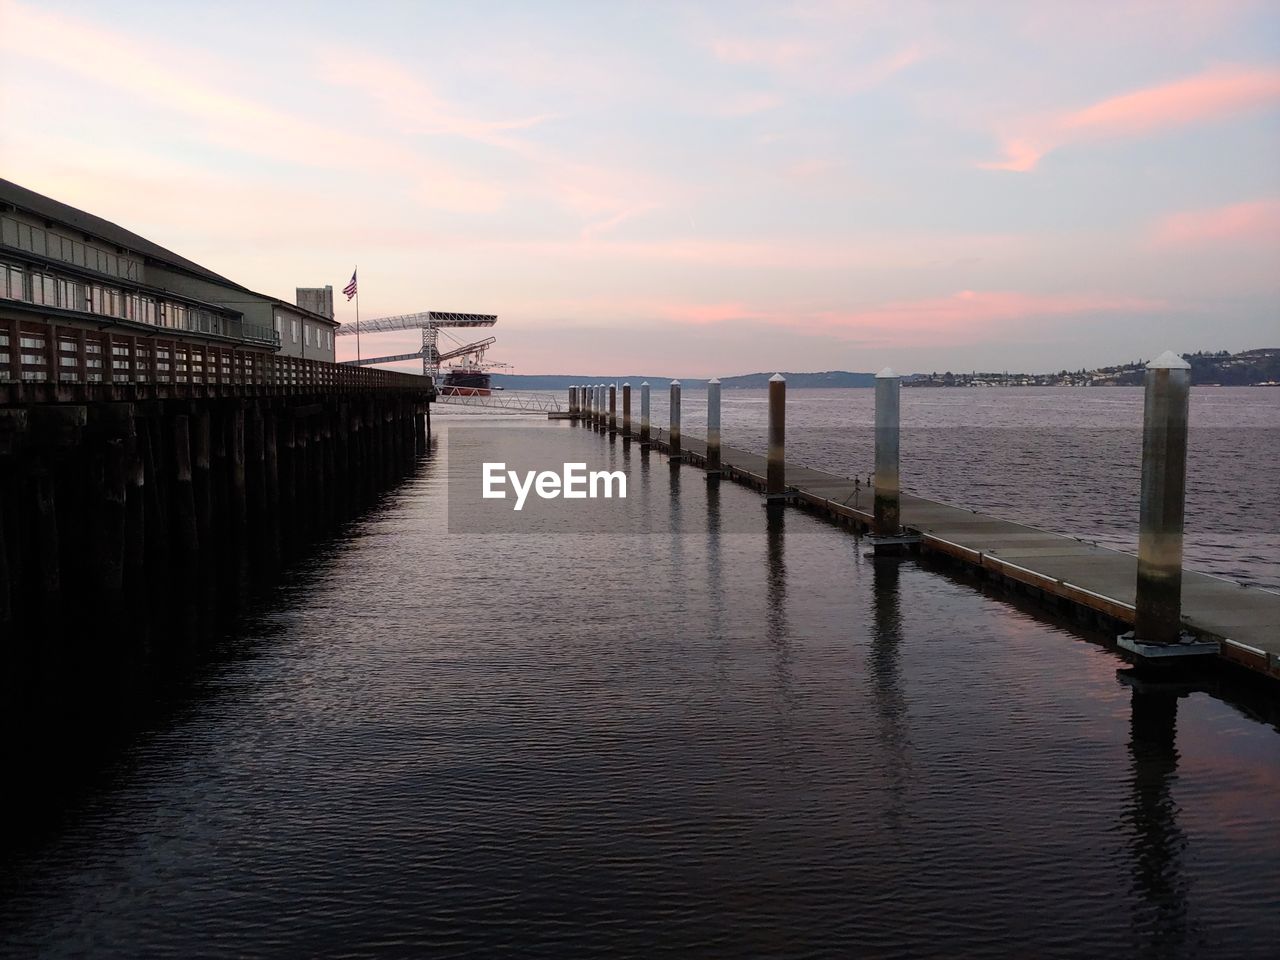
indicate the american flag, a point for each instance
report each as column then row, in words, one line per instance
column 350, row 288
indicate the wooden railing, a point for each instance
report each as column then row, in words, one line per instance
column 46, row 353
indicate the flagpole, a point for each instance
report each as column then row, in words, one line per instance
column 356, row 274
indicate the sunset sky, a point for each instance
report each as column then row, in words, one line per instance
column 691, row 189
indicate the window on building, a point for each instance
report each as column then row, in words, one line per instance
column 12, row 282
column 306, row 333
column 293, row 329
column 70, row 295
column 44, row 289
column 106, row 301
column 278, row 324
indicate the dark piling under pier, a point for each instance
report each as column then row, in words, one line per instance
column 138, row 522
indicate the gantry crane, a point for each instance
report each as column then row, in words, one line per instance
column 430, row 323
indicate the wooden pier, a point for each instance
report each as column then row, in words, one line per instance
column 145, row 501
column 1243, row 621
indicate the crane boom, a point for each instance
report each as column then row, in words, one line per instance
column 410, row 321
column 464, row 350
column 450, row 355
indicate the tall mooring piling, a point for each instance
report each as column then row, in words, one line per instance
column 776, row 468
column 645, row 434
column 1157, row 627
column 1158, row 603
column 626, row 411
column 887, row 503
column 673, row 437
column 713, row 428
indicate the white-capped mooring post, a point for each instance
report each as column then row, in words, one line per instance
column 673, row 441
column 886, row 517
column 613, row 409
column 644, row 414
column 776, row 465
column 713, row 429
column 599, row 418
column 1157, row 626
column 626, row 411
column 573, row 401
column 888, row 537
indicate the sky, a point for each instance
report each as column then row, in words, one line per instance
column 691, row 189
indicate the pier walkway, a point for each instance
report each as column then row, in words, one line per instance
column 1245, row 620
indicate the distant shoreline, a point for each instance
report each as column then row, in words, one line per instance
column 1250, row 368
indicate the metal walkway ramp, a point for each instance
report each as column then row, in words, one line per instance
column 507, row 401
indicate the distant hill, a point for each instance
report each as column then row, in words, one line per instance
column 1260, row 366
column 829, row 378
column 1248, row 368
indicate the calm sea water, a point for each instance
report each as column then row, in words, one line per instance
column 749, row 740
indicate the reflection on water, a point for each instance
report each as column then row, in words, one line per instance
column 744, row 740
column 1156, row 843
column 886, row 687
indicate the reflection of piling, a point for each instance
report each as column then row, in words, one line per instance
column 644, row 413
column 674, row 439
column 1157, row 609
column 1155, row 840
column 776, row 469
column 887, row 510
column 613, row 409
column 626, row 411
column 713, row 428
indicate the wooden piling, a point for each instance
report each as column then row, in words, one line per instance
column 271, row 485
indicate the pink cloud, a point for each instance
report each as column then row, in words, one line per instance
column 602, row 195
column 907, row 251
column 931, row 321
column 1212, row 95
column 967, row 311
column 173, row 79
column 1257, row 220
column 760, row 52
column 817, row 63
column 748, row 105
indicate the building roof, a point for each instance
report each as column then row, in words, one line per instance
column 47, row 208
column 55, row 210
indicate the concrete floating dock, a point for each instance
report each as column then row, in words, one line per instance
column 1244, row 621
